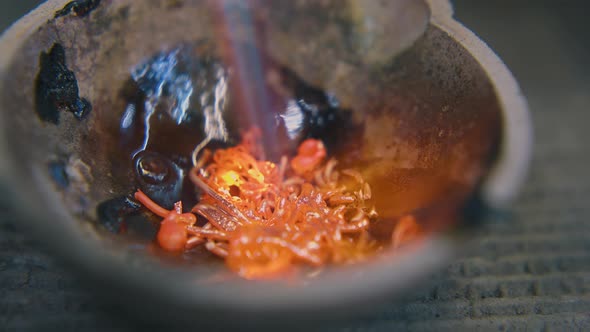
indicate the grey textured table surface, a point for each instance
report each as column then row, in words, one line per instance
column 531, row 272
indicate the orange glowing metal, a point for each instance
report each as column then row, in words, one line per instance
column 231, row 178
column 267, row 220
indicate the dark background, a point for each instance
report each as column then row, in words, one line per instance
column 10, row 10
column 529, row 273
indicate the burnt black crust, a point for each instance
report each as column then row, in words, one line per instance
column 80, row 8
column 56, row 88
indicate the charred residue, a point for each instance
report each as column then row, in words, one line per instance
column 56, row 88
column 314, row 113
column 159, row 177
column 113, row 213
column 80, row 8
column 179, row 94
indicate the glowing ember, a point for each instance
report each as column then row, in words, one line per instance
column 266, row 219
